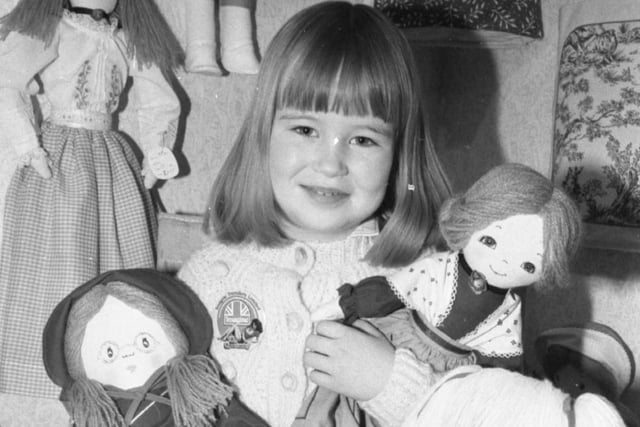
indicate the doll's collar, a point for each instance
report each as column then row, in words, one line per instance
column 476, row 280
column 84, row 20
column 95, row 14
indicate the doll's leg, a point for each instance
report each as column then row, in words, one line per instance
column 237, row 47
column 201, row 37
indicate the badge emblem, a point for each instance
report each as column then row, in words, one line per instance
column 238, row 321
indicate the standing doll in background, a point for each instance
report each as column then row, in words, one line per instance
column 79, row 204
column 333, row 178
column 236, row 37
column 510, row 229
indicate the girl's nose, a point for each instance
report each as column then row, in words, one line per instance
column 330, row 157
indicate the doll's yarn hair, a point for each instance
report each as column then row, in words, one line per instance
column 515, row 189
column 197, row 394
column 149, row 37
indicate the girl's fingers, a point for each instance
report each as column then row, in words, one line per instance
column 321, row 378
column 316, row 361
column 330, row 329
column 318, row 344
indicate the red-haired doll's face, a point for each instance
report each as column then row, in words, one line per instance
column 509, row 252
column 122, row 347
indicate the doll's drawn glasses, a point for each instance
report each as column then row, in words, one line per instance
column 110, row 351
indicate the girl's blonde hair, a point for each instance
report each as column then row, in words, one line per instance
column 516, row 189
column 149, row 38
column 345, row 58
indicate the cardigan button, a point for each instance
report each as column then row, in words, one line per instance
column 294, row 321
column 220, row 269
column 289, row 381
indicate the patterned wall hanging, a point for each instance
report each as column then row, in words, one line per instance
column 597, row 125
column 521, row 17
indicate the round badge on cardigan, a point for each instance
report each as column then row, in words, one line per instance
column 238, row 321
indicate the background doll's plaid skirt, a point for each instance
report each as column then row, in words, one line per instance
column 93, row 215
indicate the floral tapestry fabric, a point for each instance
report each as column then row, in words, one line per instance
column 521, row 17
column 597, row 121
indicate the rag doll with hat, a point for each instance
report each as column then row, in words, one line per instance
column 589, row 358
column 130, row 348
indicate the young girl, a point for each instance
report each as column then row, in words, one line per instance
column 79, row 205
column 512, row 228
column 333, row 178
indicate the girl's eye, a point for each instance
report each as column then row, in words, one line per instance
column 488, row 241
column 528, row 267
column 362, row 141
column 304, row 131
column 145, row 342
column 108, row 352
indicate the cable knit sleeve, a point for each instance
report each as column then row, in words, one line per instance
column 409, row 381
column 21, row 58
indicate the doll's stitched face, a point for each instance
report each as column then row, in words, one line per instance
column 122, row 347
column 508, row 252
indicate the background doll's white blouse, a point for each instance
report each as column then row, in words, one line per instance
column 83, row 73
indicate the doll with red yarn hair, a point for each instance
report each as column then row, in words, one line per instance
column 511, row 229
column 78, row 204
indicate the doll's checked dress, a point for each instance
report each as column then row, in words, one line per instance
column 94, row 214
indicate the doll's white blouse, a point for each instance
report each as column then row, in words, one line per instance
column 83, row 73
column 429, row 285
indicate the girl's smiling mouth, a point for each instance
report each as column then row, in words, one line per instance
column 324, row 194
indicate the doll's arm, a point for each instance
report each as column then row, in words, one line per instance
column 158, row 110
column 371, row 297
column 21, row 58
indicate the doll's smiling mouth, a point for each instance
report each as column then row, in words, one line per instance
column 496, row 273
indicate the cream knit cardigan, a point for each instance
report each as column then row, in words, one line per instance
column 285, row 285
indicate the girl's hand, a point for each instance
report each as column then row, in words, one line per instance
column 328, row 311
column 353, row 361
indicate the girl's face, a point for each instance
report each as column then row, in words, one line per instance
column 508, row 252
column 122, row 347
column 329, row 172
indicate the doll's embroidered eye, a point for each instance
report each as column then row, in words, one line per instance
column 528, row 267
column 488, row 241
column 108, row 352
column 145, row 342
